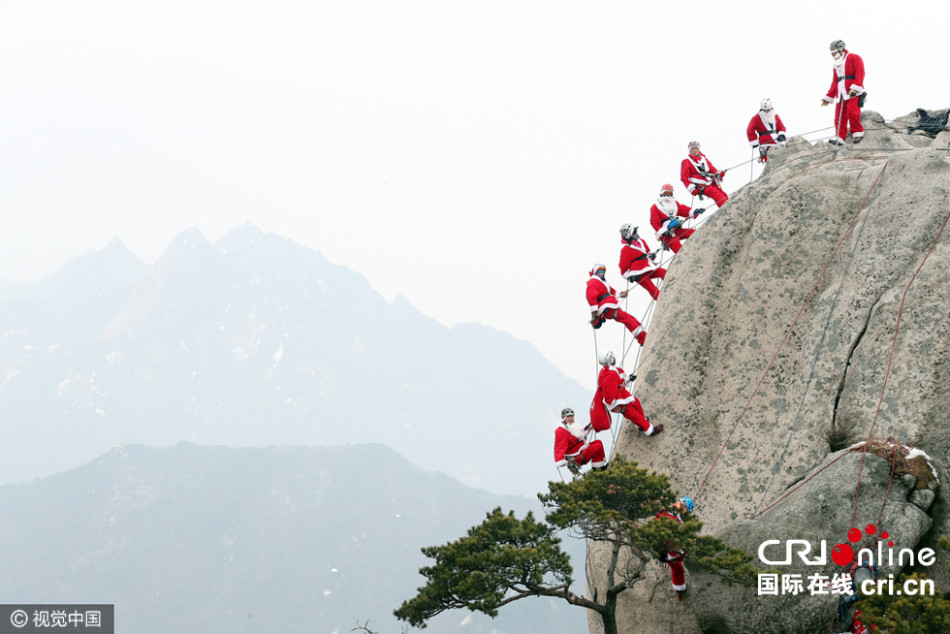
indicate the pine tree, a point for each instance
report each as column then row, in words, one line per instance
column 505, row 559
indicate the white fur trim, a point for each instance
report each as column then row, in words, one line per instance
column 605, row 307
column 858, row 134
column 621, row 401
column 679, row 588
column 828, row 99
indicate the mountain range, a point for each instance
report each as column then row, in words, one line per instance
column 212, row 540
column 258, row 341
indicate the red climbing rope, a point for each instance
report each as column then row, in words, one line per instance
column 789, row 331
column 890, row 359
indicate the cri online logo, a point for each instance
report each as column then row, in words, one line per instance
column 843, row 554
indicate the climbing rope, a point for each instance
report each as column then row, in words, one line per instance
column 787, row 334
column 889, row 483
column 811, row 372
column 803, row 483
column 890, row 360
column 864, row 446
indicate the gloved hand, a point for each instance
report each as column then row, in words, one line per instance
column 698, row 211
column 664, row 557
column 824, row 103
column 780, row 138
column 700, row 191
column 674, row 223
column 631, row 378
column 652, row 256
column 852, row 93
column 722, row 174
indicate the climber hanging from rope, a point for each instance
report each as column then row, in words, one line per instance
column 612, row 396
column 665, row 219
column 700, row 176
column 765, row 130
column 602, row 299
column 571, row 448
column 637, row 264
column 674, row 556
column 847, row 92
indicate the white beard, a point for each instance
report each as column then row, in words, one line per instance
column 666, row 204
column 577, row 430
column 768, row 118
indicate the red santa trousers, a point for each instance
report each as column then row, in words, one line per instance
column 851, row 117
column 676, row 242
column 593, row 453
column 718, row 196
column 633, row 411
column 644, row 281
column 626, row 319
column 677, row 573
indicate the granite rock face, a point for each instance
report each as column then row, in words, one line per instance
column 808, row 313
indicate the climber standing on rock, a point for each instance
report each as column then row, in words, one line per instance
column 612, row 396
column 701, row 177
column 673, row 557
column 847, row 92
column 665, row 219
column 602, row 299
column 571, row 448
column 765, row 130
column 637, row 263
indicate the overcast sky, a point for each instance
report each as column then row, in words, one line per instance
column 476, row 157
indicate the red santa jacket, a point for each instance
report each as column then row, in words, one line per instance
column 673, row 515
column 567, row 444
column 633, row 258
column 610, row 387
column 697, row 171
column 660, row 218
column 848, row 75
column 761, row 132
column 673, row 555
column 600, row 295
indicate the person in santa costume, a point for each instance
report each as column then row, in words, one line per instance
column 602, row 299
column 637, row 263
column 674, row 557
column 665, row 219
column 612, row 396
column 571, row 448
column 700, row 176
column 847, row 88
column 765, row 129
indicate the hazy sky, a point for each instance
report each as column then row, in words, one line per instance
column 476, row 157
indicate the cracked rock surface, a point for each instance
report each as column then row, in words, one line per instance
column 727, row 304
